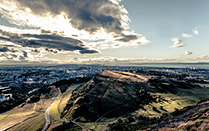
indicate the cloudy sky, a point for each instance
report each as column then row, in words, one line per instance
column 92, row 31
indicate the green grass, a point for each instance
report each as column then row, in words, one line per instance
column 54, row 111
column 183, row 98
column 168, row 106
column 64, row 99
column 72, row 110
column 59, row 105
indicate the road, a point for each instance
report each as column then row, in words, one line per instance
column 47, row 117
column 77, row 123
column 84, row 129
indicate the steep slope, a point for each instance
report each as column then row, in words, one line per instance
column 109, row 94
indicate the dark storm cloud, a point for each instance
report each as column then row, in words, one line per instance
column 88, row 15
column 88, row 51
column 52, row 51
column 4, row 38
column 4, row 48
column 47, row 41
column 35, row 51
column 127, row 38
column 51, row 44
column 55, row 38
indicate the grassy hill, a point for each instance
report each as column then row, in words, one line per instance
column 113, row 98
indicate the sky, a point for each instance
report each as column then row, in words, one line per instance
column 100, row 31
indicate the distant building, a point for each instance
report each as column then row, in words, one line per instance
column 5, row 97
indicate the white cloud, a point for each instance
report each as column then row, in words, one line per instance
column 204, row 57
column 69, row 21
column 109, row 59
column 185, row 35
column 188, row 52
column 19, row 31
column 196, row 31
column 177, row 43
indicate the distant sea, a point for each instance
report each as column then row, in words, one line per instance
column 152, row 65
column 165, row 65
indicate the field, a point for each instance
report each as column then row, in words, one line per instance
column 31, row 124
column 31, row 115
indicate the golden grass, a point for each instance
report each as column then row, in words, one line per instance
column 34, row 108
column 3, row 117
column 18, row 115
column 125, row 75
column 30, row 124
column 16, row 118
column 42, row 105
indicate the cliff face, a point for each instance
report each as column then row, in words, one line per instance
column 108, row 94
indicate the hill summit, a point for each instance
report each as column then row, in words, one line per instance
column 109, row 94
